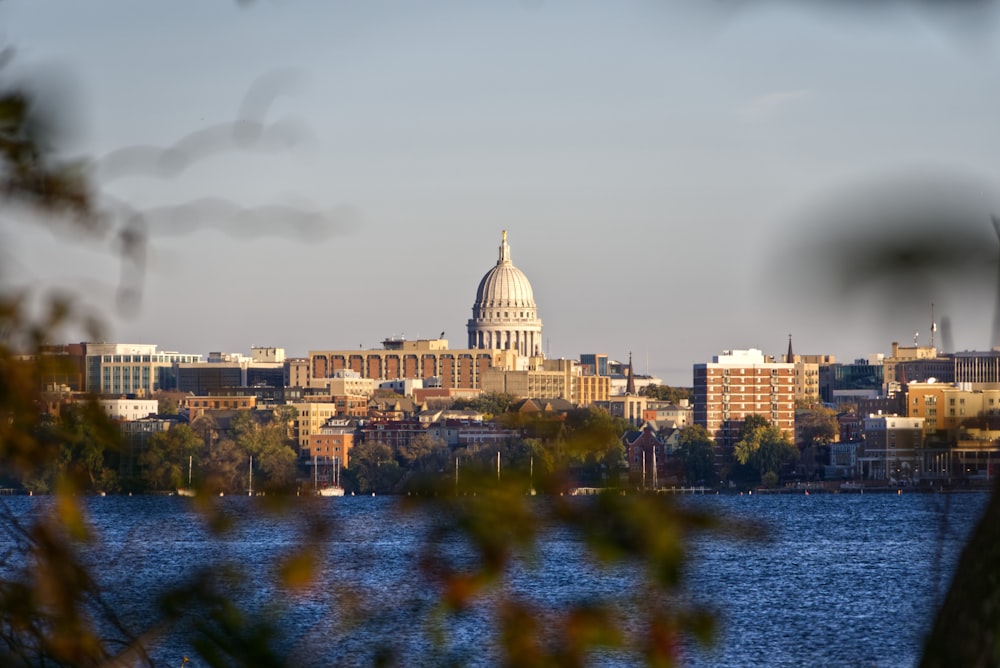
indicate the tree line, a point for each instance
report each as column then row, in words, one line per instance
column 89, row 448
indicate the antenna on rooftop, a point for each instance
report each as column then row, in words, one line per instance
column 933, row 325
column 996, row 313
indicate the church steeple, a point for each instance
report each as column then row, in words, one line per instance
column 791, row 356
column 630, row 383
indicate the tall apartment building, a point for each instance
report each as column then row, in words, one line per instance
column 740, row 383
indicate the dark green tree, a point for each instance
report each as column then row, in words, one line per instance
column 766, row 448
column 165, row 463
column 816, row 427
column 373, row 468
column 667, row 393
column 696, row 450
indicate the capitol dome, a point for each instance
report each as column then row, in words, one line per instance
column 504, row 315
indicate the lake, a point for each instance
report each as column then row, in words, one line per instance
column 841, row 580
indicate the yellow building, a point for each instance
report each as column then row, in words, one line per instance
column 545, row 379
column 197, row 406
column 592, row 390
column 312, row 416
column 946, row 406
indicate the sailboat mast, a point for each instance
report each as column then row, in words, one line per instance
column 654, row 470
column 250, row 491
column 498, row 464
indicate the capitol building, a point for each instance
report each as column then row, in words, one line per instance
column 504, row 352
column 504, row 315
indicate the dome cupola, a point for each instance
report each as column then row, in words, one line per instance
column 504, row 315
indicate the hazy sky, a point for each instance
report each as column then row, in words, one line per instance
column 659, row 167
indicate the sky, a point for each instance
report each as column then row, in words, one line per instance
column 677, row 178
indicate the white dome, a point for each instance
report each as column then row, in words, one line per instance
column 505, row 286
column 504, row 315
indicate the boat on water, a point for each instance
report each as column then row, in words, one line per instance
column 329, row 490
column 189, row 490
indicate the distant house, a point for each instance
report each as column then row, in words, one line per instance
column 647, row 457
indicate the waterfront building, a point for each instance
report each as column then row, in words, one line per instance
column 962, row 420
column 646, row 455
column 740, row 383
column 893, row 450
column 465, row 432
column 504, row 315
column 394, row 433
column 332, row 443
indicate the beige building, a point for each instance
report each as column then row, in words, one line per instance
column 666, row 414
column 740, row 383
column 545, row 379
column 298, row 372
column 631, row 407
column 344, row 382
column 592, row 390
column 946, row 406
column 312, row 416
column 423, row 358
column 265, row 355
column 197, row 406
column 807, row 373
column 915, row 363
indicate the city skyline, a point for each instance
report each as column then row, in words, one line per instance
column 349, row 169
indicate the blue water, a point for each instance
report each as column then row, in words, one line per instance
column 840, row 580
